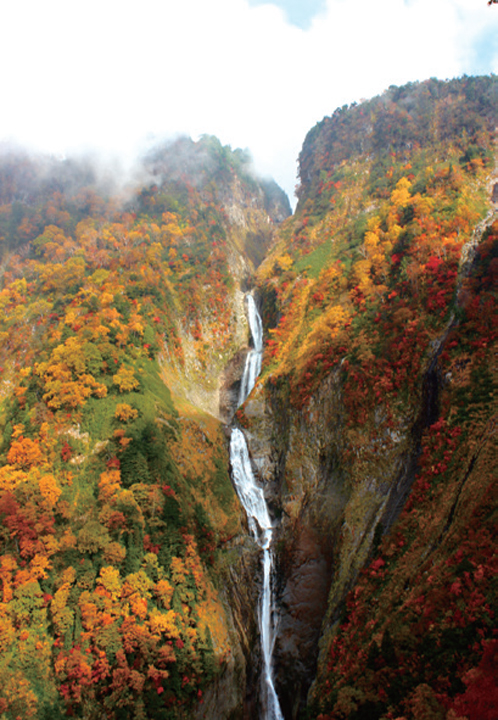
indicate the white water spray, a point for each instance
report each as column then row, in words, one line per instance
column 253, row 500
column 253, row 360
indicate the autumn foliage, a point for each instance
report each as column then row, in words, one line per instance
column 385, row 280
column 116, row 507
column 108, row 534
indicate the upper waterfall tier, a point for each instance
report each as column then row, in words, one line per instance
column 252, row 367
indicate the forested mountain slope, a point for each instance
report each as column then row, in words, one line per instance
column 379, row 396
column 117, row 510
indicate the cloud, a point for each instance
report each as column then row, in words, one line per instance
column 110, row 74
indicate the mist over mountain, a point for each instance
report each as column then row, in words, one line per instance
column 130, row 583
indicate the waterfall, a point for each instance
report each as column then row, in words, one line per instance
column 253, row 360
column 253, row 500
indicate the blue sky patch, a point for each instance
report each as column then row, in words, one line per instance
column 485, row 49
column 299, row 12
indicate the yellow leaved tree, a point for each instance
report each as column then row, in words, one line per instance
column 125, row 379
column 66, row 380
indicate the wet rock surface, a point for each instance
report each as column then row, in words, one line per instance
column 230, row 385
column 303, row 601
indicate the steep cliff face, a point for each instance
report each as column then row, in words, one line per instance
column 246, row 212
column 329, row 522
column 372, row 291
column 298, row 459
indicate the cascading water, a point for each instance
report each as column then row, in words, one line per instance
column 253, row 360
column 253, row 500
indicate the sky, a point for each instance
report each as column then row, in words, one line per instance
column 116, row 75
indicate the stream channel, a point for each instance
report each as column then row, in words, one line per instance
column 260, row 525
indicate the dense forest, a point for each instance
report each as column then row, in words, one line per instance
column 114, row 506
column 128, row 581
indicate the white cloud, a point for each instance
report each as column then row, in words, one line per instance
column 109, row 73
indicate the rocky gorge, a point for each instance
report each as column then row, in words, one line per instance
column 128, row 562
column 336, row 488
